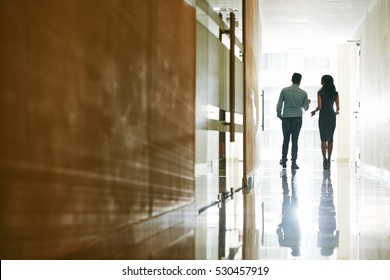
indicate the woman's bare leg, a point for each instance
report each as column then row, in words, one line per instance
column 330, row 149
column 323, row 149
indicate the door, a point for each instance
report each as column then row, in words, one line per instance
column 355, row 100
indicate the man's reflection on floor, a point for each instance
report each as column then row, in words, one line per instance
column 289, row 230
column 328, row 236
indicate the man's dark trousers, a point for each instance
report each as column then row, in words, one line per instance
column 291, row 127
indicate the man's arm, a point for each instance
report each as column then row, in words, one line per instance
column 279, row 105
column 306, row 102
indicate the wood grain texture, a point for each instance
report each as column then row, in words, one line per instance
column 97, row 116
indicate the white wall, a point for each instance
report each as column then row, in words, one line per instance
column 375, row 87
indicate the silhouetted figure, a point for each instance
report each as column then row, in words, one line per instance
column 292, row 102
column 289, row 231
column 328, row 236
column 327, row 97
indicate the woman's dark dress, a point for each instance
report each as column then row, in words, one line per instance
column 327, row 118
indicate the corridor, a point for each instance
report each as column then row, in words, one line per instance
column 308, row 214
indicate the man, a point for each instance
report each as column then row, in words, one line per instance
column 293, row 100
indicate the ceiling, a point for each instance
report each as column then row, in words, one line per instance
column 290, row 24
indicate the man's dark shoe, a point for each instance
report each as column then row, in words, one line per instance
column 294, row 166
column 283, row 164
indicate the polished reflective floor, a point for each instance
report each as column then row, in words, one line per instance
column 310, row 214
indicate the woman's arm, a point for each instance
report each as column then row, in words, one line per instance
column 319, row 105
column 337, row 105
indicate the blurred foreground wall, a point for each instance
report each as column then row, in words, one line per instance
column 97, row 103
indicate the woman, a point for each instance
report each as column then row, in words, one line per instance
column 327, row 96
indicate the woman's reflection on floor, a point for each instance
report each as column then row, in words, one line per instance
column 289, row 230
column 328, row 236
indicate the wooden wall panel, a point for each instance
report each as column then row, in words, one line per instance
column 252, row 54
column 172, row 111
column 252, row 119
column 96, row 117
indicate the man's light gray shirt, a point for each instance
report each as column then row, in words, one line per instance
column 293, row 100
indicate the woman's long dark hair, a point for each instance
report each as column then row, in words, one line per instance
column 328, row 86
